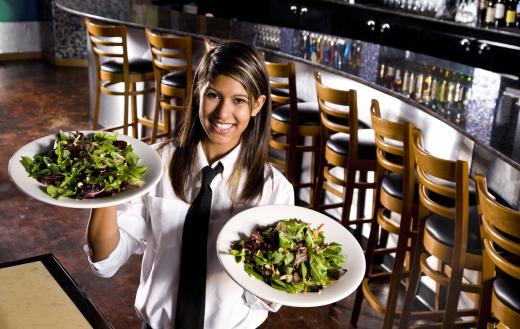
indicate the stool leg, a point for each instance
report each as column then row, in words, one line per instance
column 371, row 245
column 454, row 289
column 314, row 167
column 97, row 102
column 397, row 271
column 125, row 108
column 488, row 276
column 318, row 187
column 133, row 107
column 415, row 272
column 360, row 211
column 157, row 110
column 350, row 176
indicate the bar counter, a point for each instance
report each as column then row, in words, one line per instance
column 472, row 115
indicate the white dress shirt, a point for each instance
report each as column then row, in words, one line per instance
column 153, row 225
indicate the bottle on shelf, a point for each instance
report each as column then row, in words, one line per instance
column 426, row 87
column 398, row 81
column 482, row 7
column 511, row 13
column 390, row 74
column 380, row 80
column 490, row 14
column 518, row 14
column 406, row 83
column 500, row 13
column 419, row 83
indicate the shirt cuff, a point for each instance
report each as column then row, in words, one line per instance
column 257, row 304
column 106, row 267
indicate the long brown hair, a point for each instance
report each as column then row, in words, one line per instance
column 242, row 63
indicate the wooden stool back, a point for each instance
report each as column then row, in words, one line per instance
column 170, row 54
column 109, row 41
column 394, row 156
column 339, row 115
column 287, row 135
column 450, row 180
column 500, row 231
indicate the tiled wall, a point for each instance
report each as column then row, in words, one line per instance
column 65, row 34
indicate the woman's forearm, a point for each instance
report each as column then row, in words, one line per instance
column 102, row 232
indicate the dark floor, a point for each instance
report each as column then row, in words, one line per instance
column 38, row 99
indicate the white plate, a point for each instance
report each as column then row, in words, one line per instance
column 244, row 223
column 147, row 157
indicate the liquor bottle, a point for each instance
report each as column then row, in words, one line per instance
column 390, row 74
column 380, row 80
column 490, row 14
column 482, row 10
column 398, row 81
column 406, row 83
column 511, row 13
column 306, row 45
column 500, row 13
column 518, row 14
column 426, row 87
column 419, row 82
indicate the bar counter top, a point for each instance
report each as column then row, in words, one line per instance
column 480, row 104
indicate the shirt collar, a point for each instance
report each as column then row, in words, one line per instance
column 228, row 161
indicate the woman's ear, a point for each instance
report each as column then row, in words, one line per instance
column 258, row 105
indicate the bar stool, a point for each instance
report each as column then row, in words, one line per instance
column 449, row 233
column 291, row 123
column 109, row 41
column 172, row 65
column 394, row 206
column 500, row 229
column 343, row 145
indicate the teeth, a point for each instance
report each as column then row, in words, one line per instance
column 221, row 125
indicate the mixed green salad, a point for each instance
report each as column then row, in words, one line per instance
column 291, row 256
column 84, row 167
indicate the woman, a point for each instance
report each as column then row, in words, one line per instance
column 228, row 123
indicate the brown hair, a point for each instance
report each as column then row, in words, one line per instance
column 242, row 63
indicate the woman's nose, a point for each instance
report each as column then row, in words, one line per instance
column 224, row 109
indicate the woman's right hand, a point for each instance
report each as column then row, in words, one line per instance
column 102, row 232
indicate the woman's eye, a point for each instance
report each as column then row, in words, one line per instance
column 212, row 95
column 240, row 101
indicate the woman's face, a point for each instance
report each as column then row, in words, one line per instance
column 224, row 112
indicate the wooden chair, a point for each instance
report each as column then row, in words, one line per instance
column 291, row 123
column 172, row 64
column 113, row 67
column 394, row 197
column 448, row 231
column 345, row 146
column 500, row 229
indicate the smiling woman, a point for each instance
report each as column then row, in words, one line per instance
column 217, row 166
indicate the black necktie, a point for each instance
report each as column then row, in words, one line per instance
column 192, row 279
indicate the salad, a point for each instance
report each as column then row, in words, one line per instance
column 84, row 167
column 291, row 256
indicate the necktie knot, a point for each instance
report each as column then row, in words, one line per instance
column 208, row 174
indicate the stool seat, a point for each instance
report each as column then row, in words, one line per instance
column 366, row 145
column 175, row 79
column 443, row 230
column 506, row 289
column 392, row 183
column 308, row 113
column 284, row 93
column 138, row 65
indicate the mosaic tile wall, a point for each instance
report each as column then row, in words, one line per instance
column 65, row 32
